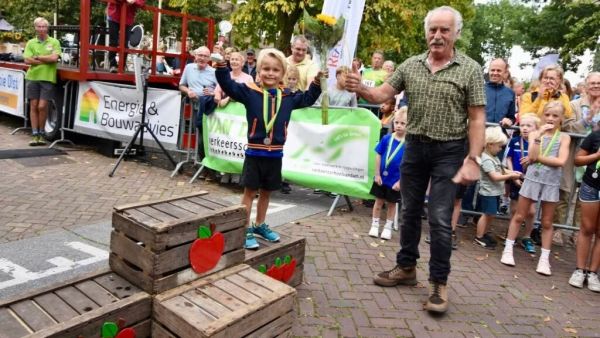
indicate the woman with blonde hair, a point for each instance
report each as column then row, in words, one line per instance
column 551, row 79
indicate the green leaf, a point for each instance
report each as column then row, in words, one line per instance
column 287, row 259
column 277, row 262
column 204, row 232
column 262, row 268
column 109, row 330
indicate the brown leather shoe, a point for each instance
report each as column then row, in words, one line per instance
column 397, row 276
column 438, row 298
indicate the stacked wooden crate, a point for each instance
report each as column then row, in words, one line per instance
column 269, row 252
column 77, row 308
column 150, row 242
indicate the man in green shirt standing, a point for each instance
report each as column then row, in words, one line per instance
column 41, row 54
column 446, row 100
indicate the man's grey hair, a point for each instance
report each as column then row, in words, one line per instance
column 589, row 77
column 300, row 38
column 458, row 20
column 200, row 49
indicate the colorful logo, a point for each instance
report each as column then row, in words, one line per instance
column 89, row 106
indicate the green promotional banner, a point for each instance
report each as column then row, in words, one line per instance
column 338, row 157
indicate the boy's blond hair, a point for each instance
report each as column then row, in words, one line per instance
column 400, row 113
column 555, row 104
column 495, row 135
column 533, row 117
column 274, row 53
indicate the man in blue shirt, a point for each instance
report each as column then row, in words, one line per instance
column 500, row 107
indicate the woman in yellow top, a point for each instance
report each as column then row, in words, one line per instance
column 551, row 79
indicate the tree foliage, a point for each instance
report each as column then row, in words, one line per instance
column 496, row 28
column 569, row 27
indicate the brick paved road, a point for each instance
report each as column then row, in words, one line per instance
column 337, row 297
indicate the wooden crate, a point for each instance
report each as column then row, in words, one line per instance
column 236, row 302
column 150, row 242
column 267, row 253
column 77, row 308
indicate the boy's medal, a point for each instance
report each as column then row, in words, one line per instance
column 269, row 126
column 389, row 155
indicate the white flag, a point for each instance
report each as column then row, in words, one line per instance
column 343, row 52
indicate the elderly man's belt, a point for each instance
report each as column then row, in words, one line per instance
column 420, row 138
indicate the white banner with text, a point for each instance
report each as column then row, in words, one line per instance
column 12, row 92
column 113, row 111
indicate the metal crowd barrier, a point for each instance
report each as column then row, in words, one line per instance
column 570, row 205
column 188, row 135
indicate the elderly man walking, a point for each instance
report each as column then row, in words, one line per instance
column 447, row 100
column 41, row 54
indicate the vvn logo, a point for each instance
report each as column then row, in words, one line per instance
column 89, row 106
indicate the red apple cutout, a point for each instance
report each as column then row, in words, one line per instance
column 206, row 251
column 126, row 333
column 288, row 269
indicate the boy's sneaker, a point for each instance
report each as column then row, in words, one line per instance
column 484, row 242
column 374, row 232
column 266, row 233
column 528, row 245
column 251, row 242
column 34, row 141
column 491, row 238
column 593, row 282
column 577, row 278
column 41, row 141
column 536, row 236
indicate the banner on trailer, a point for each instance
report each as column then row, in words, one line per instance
column 12, row 92
column 338, row 157
column 113, row 111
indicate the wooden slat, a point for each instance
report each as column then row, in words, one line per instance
column 138, row 231
column 132, row 310
column 159, row 331
column 275, row 328
column 265, row 281
column 56, row 307
column 189, row 311
column 139, row 204
column 244, row 291
column 96, row 292
column 207, row 204
column 173, row 210
column 116, row 285
column 199, row 283
column 233, row 302
column 177, row 233
column 76, row 299
column 256, row 315
column 206, row 303
column 249, row 285
column 55, row 286
column 10, row 326
column 141, row 217
column 159, row 215
column 130, row 251
column 32, row 315
column 269, row 251
column 141, row 280
column 189, row 206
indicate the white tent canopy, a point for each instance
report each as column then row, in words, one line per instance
column 5, row 26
